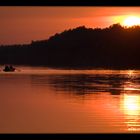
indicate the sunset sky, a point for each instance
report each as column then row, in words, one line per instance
column 20, row 25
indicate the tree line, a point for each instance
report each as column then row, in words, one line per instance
column 114, row 47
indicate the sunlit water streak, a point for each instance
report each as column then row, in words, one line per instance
column 43, row 100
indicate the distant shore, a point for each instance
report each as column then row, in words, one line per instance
column 114, row 47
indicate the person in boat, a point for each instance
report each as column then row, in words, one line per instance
column 9, row 68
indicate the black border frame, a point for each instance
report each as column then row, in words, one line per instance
column 69, row 3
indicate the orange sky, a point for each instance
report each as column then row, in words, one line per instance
column 23, row 24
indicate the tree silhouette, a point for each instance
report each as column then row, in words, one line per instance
column 113, row 47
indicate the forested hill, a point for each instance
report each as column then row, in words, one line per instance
column 112, row 47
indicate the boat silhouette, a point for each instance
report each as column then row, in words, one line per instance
column 9, row 68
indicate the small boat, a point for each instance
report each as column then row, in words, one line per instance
column 9, row 68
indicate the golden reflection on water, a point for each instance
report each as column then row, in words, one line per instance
column 129, row 86
column 131, row 108
column 131, row 104
column 130, row 73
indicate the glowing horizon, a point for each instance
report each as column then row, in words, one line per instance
column 21, row 25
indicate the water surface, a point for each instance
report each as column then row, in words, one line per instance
column 42, row 100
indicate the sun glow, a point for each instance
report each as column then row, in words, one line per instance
column 132, row 104
column 131, row 108
column 131, row 21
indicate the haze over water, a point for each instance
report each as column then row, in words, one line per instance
column 42, row 100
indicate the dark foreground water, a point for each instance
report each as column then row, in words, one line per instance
column 41, row 100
